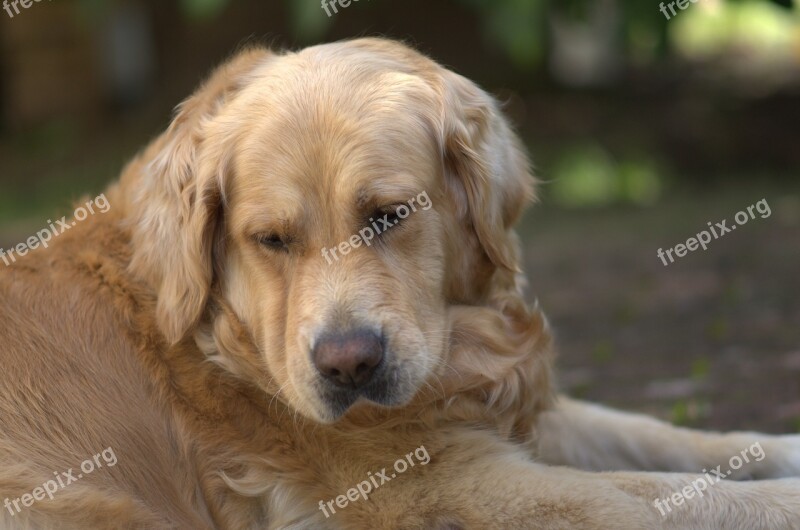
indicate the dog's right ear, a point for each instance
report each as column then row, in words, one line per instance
column 178, row 192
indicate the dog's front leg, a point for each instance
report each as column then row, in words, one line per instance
column 507, row 492
column 596, row 438
column 475, row 481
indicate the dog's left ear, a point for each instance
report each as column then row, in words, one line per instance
column 487, row 171
column 500, row 347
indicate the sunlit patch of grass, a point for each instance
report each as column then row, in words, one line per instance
column 588, row 175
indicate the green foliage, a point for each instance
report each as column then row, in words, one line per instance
column 203, row 9
column 307, row 20
column 760, row 27
column 587, row 175
column 518, row 28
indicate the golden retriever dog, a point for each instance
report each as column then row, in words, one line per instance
column 230, row 347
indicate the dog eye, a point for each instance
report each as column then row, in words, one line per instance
column 274, row 242
column 389, row 214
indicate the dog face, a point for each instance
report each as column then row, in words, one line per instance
column 339, row 202
column 338, row 248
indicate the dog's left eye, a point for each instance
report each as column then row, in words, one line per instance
column 274, row 242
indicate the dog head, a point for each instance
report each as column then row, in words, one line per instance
column 321, row 222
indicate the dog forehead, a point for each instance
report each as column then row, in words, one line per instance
column 293, row 192
column 324, row 92
column 334, row 133
column 335, row 159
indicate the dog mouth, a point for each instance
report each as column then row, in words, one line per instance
column 390, row 387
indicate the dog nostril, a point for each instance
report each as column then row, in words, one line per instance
column 348, row 359
column 362, row 368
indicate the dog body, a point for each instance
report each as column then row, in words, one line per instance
column 245, row 380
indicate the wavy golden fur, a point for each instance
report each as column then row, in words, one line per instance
column 166, row 330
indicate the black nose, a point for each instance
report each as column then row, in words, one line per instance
column 348, row 359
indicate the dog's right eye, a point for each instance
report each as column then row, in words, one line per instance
column 274, row 242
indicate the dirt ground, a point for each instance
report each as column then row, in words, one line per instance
column 712, row 340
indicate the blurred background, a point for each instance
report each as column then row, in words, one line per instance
column 644, row 126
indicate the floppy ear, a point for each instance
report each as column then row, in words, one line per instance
column 487, row 171
column 500, row 348
column 179, row 198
